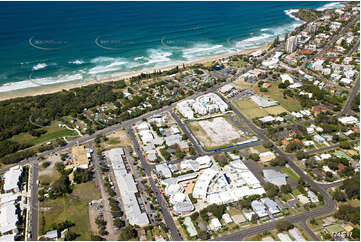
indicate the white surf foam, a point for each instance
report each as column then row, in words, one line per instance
column 39, row 66
column 37, row 82
column 330, row 6
column 254, row 41
column 202, row 50
column 76, row 62
column 289, row 13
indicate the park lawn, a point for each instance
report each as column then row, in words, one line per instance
column 66, row 208
column 53, row 132
column 291, row 104
column 249, row 109
column 261, row 148
column 86, row 191
column 291, row 174
column 276, row 110
column 47, row 179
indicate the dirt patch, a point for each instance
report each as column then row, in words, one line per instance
column 118, row 138
column 92, row 218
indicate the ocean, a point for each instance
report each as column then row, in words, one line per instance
column 48, row 43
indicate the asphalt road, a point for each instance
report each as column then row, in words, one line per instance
column 162, row 203
column 34, row 204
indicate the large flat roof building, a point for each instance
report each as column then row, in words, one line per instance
column 127, row 188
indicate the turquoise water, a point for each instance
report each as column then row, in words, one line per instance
column 43, row 43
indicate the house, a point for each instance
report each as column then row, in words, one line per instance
column 346, row 81
column 303, row 199
column 292, row 203
column 280, row 204
column 274, row 177
column 239, row 218
column 248, row 214
column 308, row 143
column 348, row 120
column 163, row 170
column 227, row 219
column 52, row 235
column 318, row 138
column 284, row 237
column 271, row 205
column 319, row 109
column 313, row 197
column 191, row 229
column 267, row 156
column 259, row 208
column 296, row 234
column 215, row 224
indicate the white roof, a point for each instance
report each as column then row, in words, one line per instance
column 190, row 227
column 8, row 218
column 259, row 208
column 296, row 234
column 284, row 237
column 11, row 178
column 201, row 186
column 127, row 188
column 215, row 224
column 286, row 77
column 8, row 237
column 274, row 177
column 227, row 218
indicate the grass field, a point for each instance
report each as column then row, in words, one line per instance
column 249, row 109
column 53, row 132
column 291, row 174
column 291, row 104
column 87, row 191
column 66, row 208
column 252, row 110
column 275, row 110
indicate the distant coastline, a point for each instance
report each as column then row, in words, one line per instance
column 48, row 89
column 42, row 75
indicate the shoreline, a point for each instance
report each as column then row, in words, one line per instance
column 53, row 88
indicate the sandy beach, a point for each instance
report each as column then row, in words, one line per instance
column 47, row 89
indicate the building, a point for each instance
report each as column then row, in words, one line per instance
column 215, row 224
column 271, row 205
column 303, row 199
column 201, row 186
column 163, row 170
column 191, row 229
column 291, row 44
column 313, row 197
column 11, row 179
column 267, row 156
column 284, row 237
column 348, row 120
column 248, row 214
column 259, row 208
column 238, row 218
column 52, row 235
column 263, row 102
column 275, row 177
column 127, row 188
column 296, row 234
column 227, row 219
